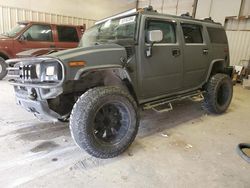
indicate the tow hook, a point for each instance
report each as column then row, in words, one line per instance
column 32, row 95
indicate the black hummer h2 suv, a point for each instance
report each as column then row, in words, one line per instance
column 144, row 60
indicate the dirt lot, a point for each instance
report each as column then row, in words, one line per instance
column 182, row 148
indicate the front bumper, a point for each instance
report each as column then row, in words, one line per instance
column 32, row 91
column 39, row 108
column 31, row 100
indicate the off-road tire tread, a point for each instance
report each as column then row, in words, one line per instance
column 78, row 126
column 4, row 67
column 209, row 102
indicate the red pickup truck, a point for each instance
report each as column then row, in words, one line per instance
column 33, row 35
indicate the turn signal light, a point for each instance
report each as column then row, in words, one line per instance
column 77, row 63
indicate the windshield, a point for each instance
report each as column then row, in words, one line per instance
column 14, row 31
column 111, row 31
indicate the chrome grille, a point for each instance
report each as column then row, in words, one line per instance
column 26, row 72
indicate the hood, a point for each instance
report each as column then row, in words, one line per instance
column 94, row 55
column 3, row 37
column 37, row 52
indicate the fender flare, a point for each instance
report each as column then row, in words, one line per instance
column 6, row 56
column 123, row 75
column 86, row 70
column 211, row 67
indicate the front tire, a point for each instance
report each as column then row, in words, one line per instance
column 3, row 68
column 219, row 93
column 104, row 121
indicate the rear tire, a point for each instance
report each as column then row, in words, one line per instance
column 219, row 93
column 3, row 68
column 104, row 121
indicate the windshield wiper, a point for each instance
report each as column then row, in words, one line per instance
column 97, row 43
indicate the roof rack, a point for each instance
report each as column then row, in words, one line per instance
column 186, row 15
column 149, row 9
column 209, row 19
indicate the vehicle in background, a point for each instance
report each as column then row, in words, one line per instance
column 32, row 35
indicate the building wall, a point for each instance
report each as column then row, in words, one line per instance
column 245, row 10
column 239, row 46
column 218, row 9
column 9, row 16
column 60, row 11
column 89, row 9
column 174, row 7
column 238, row 33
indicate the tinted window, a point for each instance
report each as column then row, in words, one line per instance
column 217, row 35
column 67, row 34
column 167, row 28
column 38, row 33
column 192, row 33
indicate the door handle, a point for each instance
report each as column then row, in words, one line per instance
column 205, row 51
column 52, row 46
column 176, row 52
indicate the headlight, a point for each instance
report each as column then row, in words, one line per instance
column 51, row 71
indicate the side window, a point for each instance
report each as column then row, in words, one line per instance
column 167, row 28
column 192, row 33
column 217, row 35
column 67, row 34
column 39, row 33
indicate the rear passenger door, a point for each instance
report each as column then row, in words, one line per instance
column 67, row 37
column 196, row 54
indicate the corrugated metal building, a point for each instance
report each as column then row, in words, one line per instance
column 9, row 16
column 174, row 7
column 238, row 32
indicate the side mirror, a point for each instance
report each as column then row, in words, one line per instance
column 153, row 37
column 21, row 38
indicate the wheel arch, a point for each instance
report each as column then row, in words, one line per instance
column 108, row 75
column 216, row 66
column 4, row 55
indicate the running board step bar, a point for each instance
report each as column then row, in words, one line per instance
column 164, row 105
column 163, row 108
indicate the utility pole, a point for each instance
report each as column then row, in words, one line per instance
column 137, row 4
column 194, row 8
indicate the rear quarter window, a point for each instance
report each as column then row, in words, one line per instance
column 217, row 35
column 192, row 33
column 67, row 34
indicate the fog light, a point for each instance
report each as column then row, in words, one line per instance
column 32, row 94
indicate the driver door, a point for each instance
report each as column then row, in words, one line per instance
column 162, row 73
column 36, row 36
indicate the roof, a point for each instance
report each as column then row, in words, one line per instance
column 37, row 22
column 186, row 16
column 150, row 11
